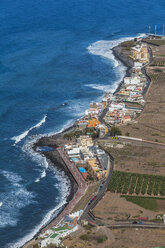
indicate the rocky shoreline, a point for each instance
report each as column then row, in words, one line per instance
column 128, row 63
column 57, row 139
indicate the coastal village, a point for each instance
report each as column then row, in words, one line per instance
column 102, row 119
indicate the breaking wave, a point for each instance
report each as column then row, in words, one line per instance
column 46, row 219
column 99, row 87
column 100, row 48
column 63, row 184
column 103, row 48
column 13, row 200
column 18, row 138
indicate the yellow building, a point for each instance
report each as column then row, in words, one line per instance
column 92, row 162
column 93, row 122
column 103, row 105
column 85, row 141
column 140, row 53
column 123, row 92
column 106, row 130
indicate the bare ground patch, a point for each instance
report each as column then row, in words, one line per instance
column 114, row 207
column 137, row 158
column 151, row 123
column 160, row 205
column 138, row 238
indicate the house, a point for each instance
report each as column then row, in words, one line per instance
column 126, row 119
column 114, row 106
column 82, row 124
column 85, row 141
column 132, row 80
column 140, row 53
column 93, row 122
column 123, row 92
column 74, row 152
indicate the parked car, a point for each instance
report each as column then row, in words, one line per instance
column 94, row 198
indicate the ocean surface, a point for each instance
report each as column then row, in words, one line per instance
column 55, row 59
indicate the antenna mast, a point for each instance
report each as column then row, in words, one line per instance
column 149, row 28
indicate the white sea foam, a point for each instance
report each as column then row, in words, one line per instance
column 18, row 138
column 99, row 87
column 103, row 48
column 37, row 180
column 11, row 176
column 13, row 200
column 29, row 236
column 43, row 174
column 63, row 185
column 77, row 109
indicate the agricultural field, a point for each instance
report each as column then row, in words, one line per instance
column 158, row 62
column 139, row 184
column 157, row 42
column 144, row 202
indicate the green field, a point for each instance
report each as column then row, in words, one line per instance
column 144, row 202
column 54, row 235
column 139, row 184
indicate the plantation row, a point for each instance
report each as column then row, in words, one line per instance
column 158, row 63
column 158, row 77
column 130, row 183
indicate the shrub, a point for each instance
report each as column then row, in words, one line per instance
column 36, row 246
column 85, row 237
column 115, row 131
column 101, row 239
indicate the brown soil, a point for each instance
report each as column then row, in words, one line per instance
column 91, row 241
column 151, row 123
column 138, row 238
column 160, row 205
column 114, row 207
column 136, row 158
column 121, row 238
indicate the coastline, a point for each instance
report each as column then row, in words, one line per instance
column 56, row 140
column 116, row 51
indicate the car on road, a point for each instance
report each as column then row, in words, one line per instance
column 90, row 202
column 94, row 198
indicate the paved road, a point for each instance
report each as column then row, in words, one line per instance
column 136, row 141
column 87, row 215
column 130, row 225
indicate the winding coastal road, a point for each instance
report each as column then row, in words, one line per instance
column 87, row 215
column 131, row 225
column 137, row 141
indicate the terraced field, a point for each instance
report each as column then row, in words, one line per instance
column 139, row 184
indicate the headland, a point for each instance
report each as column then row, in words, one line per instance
column 81, row 148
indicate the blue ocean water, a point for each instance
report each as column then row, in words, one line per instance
column 55, row 59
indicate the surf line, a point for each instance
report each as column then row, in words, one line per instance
column 18, row 138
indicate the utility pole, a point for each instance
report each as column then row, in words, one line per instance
column 155, row 29
column 149, row 29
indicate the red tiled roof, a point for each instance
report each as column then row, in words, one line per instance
column 127, row 117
